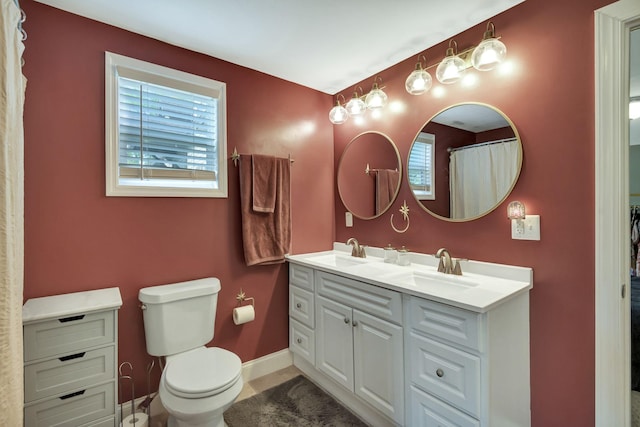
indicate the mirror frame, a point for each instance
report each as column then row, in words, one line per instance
column 511, row 187
column 399, row 163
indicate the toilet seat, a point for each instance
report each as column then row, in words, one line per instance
column 203, row 372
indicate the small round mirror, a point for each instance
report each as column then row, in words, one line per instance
column 464, row 162
column 369, row 174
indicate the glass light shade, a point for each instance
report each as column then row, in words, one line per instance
column 376, row 98
column 489, row 53
column 356, row 106
column 634, row 109
column 338, row 114
column 450, row 69
column 418, row 82
column 515, row 210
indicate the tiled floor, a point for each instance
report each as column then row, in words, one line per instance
column 266, row 382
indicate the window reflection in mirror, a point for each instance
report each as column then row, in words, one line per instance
column 476, row 160
column 369, row 195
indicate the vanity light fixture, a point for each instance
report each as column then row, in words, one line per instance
column 515, row 212
column 634, row 108
column 419, row 81
column 450, row 69
column 338, row 114
column 376, row 99
column 356, row 106
column 490, row 52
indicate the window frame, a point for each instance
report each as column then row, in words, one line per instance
column 115, row 186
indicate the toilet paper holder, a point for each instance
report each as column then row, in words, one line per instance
column 241, row 297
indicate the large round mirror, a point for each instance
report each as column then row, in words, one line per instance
column 369, row 175
column 464, row 161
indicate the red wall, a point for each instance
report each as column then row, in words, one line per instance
column 550, row 98
column 77, row 239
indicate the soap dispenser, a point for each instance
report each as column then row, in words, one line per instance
column 390, row 254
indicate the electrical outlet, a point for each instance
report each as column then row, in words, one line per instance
column 348, row 219
column 531, row 230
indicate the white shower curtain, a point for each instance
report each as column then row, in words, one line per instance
column 12, row 86
column 480, row 177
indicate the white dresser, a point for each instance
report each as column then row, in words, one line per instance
column 70, row 359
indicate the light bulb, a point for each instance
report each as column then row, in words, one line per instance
column 376, row 98
column 450, row 69
column 338, row 114
column 356, row 106
column 488, row 54
column 418, row 82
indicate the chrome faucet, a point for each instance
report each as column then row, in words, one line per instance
column 447, row 264
column 357, row 251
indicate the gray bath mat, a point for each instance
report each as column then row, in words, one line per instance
column 297, row 402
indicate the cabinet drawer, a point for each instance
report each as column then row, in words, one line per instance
column 301, row 276
column 427, row 411
column 70, row 372
column 302, row 341
column 301, row 306
column 371, row 299
column 448, row 323
column 72, row 409
column 446, row 372
column 67, row 335
column 109, row 422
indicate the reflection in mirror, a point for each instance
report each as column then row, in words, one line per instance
column 369, row 175
column 464, row 162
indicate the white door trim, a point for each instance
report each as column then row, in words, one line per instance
column 613, row 382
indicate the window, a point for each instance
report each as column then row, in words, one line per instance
column 165, row 131
column 420, row 167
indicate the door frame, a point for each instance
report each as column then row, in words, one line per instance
column 612, row 253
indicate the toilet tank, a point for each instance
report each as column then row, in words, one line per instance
column 180, row 316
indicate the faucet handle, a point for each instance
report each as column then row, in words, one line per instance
column 441, row 267
column 457, row 269
column 363, row 254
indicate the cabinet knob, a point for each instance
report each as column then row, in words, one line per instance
column 298, row 305
column 355, row 323
column 299, row 340
column 440, row 373
column 346, row 320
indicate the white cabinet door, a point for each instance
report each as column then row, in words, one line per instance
column 334, row 341
column 378, row 363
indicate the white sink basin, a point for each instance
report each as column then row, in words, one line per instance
column 337, row 260
column 433, row 281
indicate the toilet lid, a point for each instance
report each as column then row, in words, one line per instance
column 203, row 372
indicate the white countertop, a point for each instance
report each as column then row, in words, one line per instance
column 481, row 287
column 64, row 305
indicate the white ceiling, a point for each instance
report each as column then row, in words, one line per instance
column 326, row 45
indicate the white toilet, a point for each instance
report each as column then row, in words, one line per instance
column 198, row 383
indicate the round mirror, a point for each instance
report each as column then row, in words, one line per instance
column 369, row 174
column 464, row 162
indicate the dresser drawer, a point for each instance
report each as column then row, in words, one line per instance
column 301, row 306
column 301, row 276
column 445, row 322
column 72, row 409
column 382, row 303
column 67, row 335
column 302, row 341
column 427, row 411
column 70, row 372
column 446, row 372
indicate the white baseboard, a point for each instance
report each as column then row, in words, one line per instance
column 251, row 370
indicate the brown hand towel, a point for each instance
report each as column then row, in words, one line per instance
column 266, row 236
column 264, row 182
column 386, row 186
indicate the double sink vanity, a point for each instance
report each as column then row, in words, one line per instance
column 409, row 345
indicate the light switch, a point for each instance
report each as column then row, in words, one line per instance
column 531, row 230
column 348, row 219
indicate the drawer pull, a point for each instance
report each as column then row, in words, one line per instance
column 299, row 340
column 71, row 318
column 355, row 323
column 71, row 356
column 346, row 320
column 440, row 373
column 298, row 305
column 70, row 395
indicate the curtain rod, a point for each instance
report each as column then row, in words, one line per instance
column 480, row 144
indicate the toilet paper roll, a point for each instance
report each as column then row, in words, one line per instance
column 139, row 419
column 243, row 314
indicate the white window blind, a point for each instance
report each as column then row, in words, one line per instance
column 165, row 131
column 420, row 167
